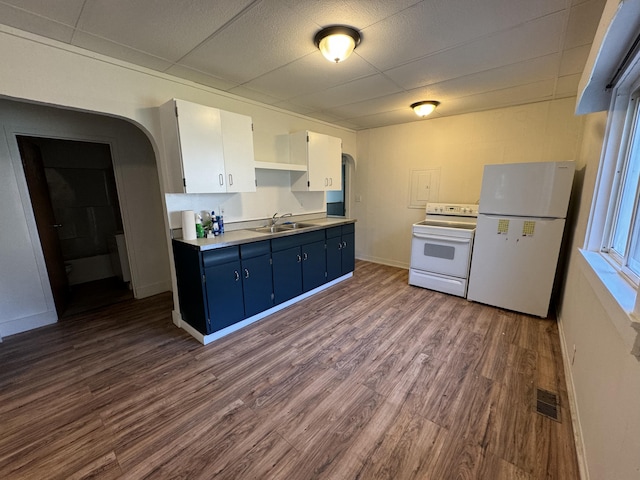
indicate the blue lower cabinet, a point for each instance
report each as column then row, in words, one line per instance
column 257, row 278
column 287, row 274
column 314, row 265
column 224, row 294
column 222, row 286
column 299, row 264
column 340, row 251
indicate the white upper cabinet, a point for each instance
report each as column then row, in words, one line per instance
column 210, row 150
column 322, row 154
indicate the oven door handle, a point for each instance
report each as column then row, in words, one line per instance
column 443, row 238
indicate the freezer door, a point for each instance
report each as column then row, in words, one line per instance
column 540, row 189
column 513, row 263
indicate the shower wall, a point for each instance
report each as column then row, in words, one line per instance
column 85, row 202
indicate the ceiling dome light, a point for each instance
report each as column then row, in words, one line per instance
column 425, row 107
column 337, row 42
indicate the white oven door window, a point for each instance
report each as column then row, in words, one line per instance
column 438, row 254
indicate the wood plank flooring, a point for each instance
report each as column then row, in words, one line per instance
column 371, row 379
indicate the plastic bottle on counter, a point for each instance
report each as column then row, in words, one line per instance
column 221, row 223
column 216, row 226
column 199, row 228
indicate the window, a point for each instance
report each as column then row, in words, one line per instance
column 621, row 240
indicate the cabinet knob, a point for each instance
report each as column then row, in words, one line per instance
column 344, row 244
column 305, row 256
column 246, row 273
column 299, row 258
column 237, row 275
column 326, row 181
column 221, row 179
column 339, row 245
column 230, row 179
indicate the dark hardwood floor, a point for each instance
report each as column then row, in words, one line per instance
column 371, row 379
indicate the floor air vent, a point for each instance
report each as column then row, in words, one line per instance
column 547, row 404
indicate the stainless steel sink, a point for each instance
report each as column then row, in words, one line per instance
column 285, row 227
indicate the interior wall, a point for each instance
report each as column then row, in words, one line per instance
column 604, row 376
column 457, row 147
column 25, row 295
column 44, row 71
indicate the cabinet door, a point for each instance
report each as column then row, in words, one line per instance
column 224, row 295
column 239, row 161
column 314, row 265
column 191, row 286
column 334, row 258
column 333, row 164
column 287, row 274
column 200, row 139
column 348, row 253
column 322, row 155
column 257, row 283
column 317, row 151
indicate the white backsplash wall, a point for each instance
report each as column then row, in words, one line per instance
column 273, row 194
column 457, row 146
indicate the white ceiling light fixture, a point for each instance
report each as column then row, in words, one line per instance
column 425, row 107
column 337, row 42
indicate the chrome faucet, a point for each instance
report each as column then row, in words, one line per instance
column 275, row 218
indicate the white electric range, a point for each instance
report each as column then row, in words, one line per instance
column 441, row 248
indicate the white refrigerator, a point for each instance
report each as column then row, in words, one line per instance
column 521, row 220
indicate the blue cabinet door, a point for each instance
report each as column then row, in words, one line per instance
column 287, row 274
column 334, row 258
column 257, row 284
column 348, row 252
column 224, row 294
column 314, row 265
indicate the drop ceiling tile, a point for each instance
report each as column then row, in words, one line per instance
column 121, row 52
column 351, row 92
column 583, row 22
column 357, row 13
column 63, row 11
column 293, row 107
column 534, row 39
column 309, row 74
column 382, row 119
column 268, row 36
column 529, row 71
column 387, row 103
column 324, row 116
column 245, row 92
column 567, row 86
column 348, row 124
column 56, row 29
column 533, row 92
column 168, row 29
column 199, row 77
column 430, row 27
column 574, row 60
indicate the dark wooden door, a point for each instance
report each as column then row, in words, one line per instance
column 45, row 221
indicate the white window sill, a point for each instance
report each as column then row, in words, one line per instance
column 617, row 296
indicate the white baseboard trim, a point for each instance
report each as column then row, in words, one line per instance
column 573, row 405
column 19, row 325
column 206, row 339
column 152, row 289
column 383, row 261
